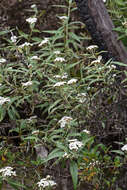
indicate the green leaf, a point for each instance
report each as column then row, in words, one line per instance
column 16, row 185
column 119, row 63
column 74, row 135
column 4, row 32
column 13, row 114
column 72, row 65
column 54, row 154
column 2, row 113
column 23, row 34
column 31, row 138
column 36, row 39
column 120, row 2
column 36, row 30
column 1, row 182
column 53, row 105
column 74, row 173
column 51, row 31
column 118, row 152
column 88, row 140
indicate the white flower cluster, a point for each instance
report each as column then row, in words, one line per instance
column 92, row 47
column 45, row 41
column 3, row 100
column 32, row 118
column 98, row 60
column 7, row 172
column 63, row 17
column 104, row 1
column 112, row 67
column 29, row 83
column 64, row 76
column 124, row 148
column 31, row 20
column 13, row 38
column 72, row 81
column 33, row 6
column 46, row 183
column 26, row 44
column 75, row 144
column 66, row 155
column 125, row 24
column 57, row 52
column 94, row 163
column 2, row 60
column 65, row 120
column 35, row 132
column 35, row 57
column 82, row 97
column 59, row 59
column 86, row 131
column 59, row 84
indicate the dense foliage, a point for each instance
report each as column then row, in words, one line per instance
column 58, row 106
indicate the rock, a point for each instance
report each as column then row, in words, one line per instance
column 41, row 151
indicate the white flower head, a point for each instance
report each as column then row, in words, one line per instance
column 2, row 60
column 86, row 131
column 7, row 172
column 98, row 60
column 114, row 75
column 112, row 67
column 92, row 47
column 82, row 97
column 46, row 182
column 66, row 155
column 33, row 6
column 3, row 100
column 13, row 38
column 75, row 144
column 64, row 76
column 59, row 84
column 29, row 83
column 59, row 59
column 124, row 148
column 57, row 52
column 45, row 41
column 57, row 76
column 35, row 57
column 125, row 24
column 63, row 17
column 94, row 163
column 65, row 120
column 104, row 1
column 72, row 81
column 31, row 118
column 35, row 132
column 26, row 44
column 31, row 20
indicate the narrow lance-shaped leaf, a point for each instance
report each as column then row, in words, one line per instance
column 74, row 173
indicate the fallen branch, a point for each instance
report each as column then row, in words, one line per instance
column 99, row 24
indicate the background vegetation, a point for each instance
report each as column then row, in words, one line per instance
column 62, row 108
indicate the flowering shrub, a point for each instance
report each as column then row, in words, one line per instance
column 53, row 94
column 46, row 183
column 7, row 172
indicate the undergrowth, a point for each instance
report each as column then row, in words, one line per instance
column 57, row 102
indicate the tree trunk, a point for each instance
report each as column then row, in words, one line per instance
column 99, row 24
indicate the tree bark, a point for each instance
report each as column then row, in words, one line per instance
column 99, row 24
